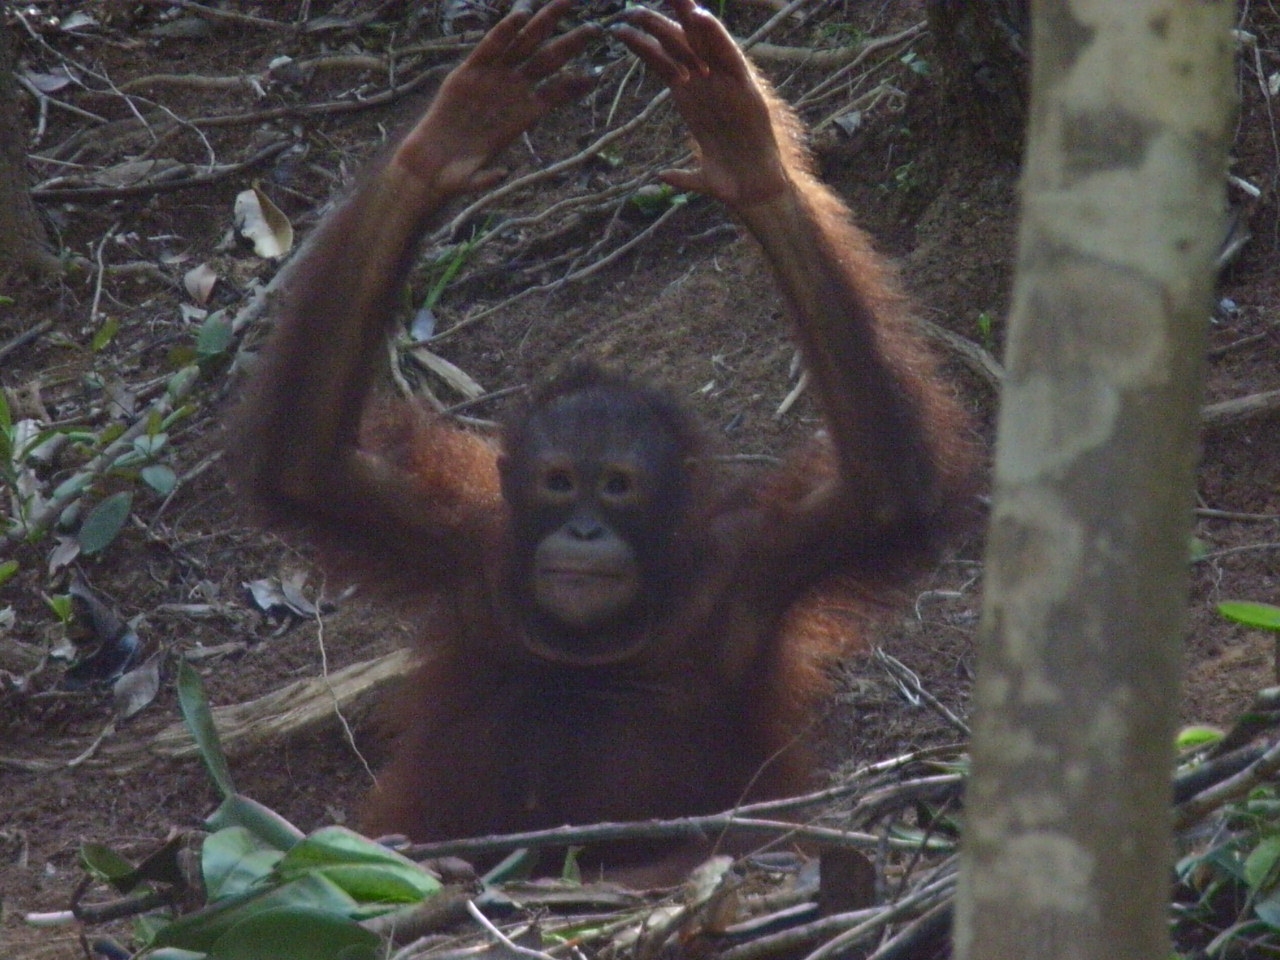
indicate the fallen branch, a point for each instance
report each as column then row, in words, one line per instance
column 1230, row 413
column 298, row 708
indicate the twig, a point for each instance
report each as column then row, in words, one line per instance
column 1232, row 551
column 43, row 98
column 443, row 909
column 547, row 172
column 1241, row 409
column 927, row 929
column 343, row 61
column 1214, row 514
column 907, row 678
column 88, row 752
column 327, row 679
column 1262, row 714
column 1237, row 344
column 124, row 907
column 850, row 783
column 478, row 915
column 876, row 803
column 195, row 81
column 771, row 24
column 854, row 927
column 572, row 277
column 789, row 942
column 258, row 117
column 1205, row 802
column 183, row 481
column 100, row 273
column 94, row 194
column 978, row 360
column 910, row 906
column 22, row 339
column 226, row 16
column 684, row 828
column 1188, row 783
column 861, row 54
column 832, row 56
column 592, row 149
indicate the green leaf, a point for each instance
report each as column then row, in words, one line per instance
column 1260, row 865
column 929, row 840
column 60, row 604
column 160, row 478
column 380, row 883
column 123, row 463
column 183, row 411
column 214, row 337
column 182, row 381
column 1192, row 738
column 180, row 356
column 202, row 930
column 199, row 719
column 296, row 933
column 7, row 569
column 234, row 861
column 73, row 486
column 368, row 871
column 104, row 523
column 269, row 827
column 1264, row 616
column 571, row 870
column 151, row 444
column 104, row 862
column 1268, row 910
column 6, row 418
column 339, row 845
column 105, row 334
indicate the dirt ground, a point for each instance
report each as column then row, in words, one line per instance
column 687, row 304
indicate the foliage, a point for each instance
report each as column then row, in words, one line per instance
column 915, row 63
column 1229, row 893
column 272, row 893
column 50, row 473
column 445, row 266
column 986, row 330
column 1262, row 616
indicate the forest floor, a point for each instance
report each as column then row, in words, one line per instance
column 686, row 304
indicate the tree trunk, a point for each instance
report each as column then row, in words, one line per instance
column 23, row 245
column 1068, row 834
column 982, row 67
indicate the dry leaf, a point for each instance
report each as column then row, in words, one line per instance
column 450, row 373
column 137, row 688
column 199, row 282
column 260, row 220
